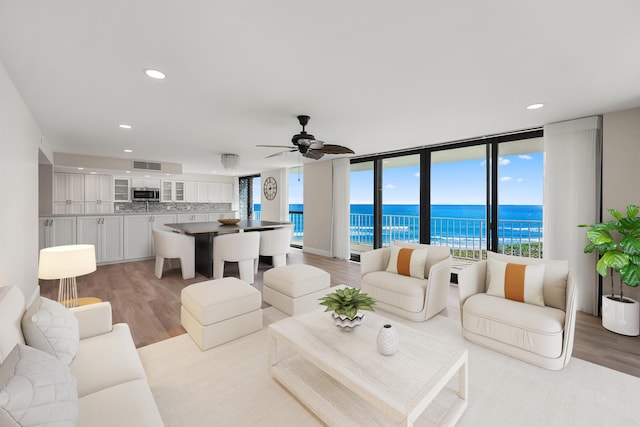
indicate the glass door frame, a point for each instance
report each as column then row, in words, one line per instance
column 492, row 161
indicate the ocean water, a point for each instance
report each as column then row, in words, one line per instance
column 459, row 226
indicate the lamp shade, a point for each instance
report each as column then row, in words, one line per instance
column 58, row 262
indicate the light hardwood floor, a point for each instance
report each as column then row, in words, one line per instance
column 151, row 306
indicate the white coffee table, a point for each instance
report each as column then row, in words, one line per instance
column 340, row 376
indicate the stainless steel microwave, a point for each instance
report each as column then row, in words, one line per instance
column 145, row 194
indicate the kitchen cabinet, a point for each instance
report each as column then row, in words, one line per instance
column 121, row 189
column 56, row 231
column 138, row 240
column 226, row 192
column 98, row 194
column 68, row 193
column 198, row 217
column 172, row 191
column 105, row 233
column 145, row 183
column 191, row 191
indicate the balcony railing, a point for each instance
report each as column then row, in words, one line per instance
column 466, row 237
column 297, row 218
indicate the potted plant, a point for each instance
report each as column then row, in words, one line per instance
column 618, row 244
column 347, row 305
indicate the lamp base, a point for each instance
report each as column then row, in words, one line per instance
column 68, row 292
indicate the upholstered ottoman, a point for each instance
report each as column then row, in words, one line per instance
column 295, row 288
column 218, row 311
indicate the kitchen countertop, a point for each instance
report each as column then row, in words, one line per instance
column 120, row 213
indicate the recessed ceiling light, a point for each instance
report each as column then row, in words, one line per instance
column 147, row 176
column 93, row 173
column 126, row 150
column 155, row 74
column 80, row 169
column 127, row 171
column 123, row 126
column 535, row 106
column 167, row 174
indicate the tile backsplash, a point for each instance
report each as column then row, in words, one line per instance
column 157, row 207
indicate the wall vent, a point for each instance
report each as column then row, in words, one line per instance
column 152, row 166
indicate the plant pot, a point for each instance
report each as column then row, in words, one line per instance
column 622, row 317
column 347, row 323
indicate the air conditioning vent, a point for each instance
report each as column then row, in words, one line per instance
column 153, row 166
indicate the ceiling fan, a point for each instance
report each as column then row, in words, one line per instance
column 308, row 145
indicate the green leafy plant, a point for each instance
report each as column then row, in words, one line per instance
column 347, row 301
column 618, row 244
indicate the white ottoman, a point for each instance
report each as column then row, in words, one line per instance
column 295, row 288
column 218, row 311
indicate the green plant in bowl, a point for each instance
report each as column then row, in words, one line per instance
column 347, row 302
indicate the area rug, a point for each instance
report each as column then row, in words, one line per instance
column 230, row 385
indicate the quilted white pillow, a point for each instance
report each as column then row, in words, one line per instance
column 51, row 327
column 36, row 389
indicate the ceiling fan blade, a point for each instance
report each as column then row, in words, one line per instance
column 336, row 149
column 281, row 152
column 274, row 146
column 316, row 145
column 313, row 154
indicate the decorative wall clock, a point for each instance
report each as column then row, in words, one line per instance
column 270, row 188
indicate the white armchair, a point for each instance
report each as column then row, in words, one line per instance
column 168, row 244
column 242, row 248
column 540, row 335
column 409, row 297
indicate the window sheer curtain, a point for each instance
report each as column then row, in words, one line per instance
column 572, row 188
column 340, row 248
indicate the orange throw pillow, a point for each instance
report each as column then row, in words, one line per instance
column 517, row 282
column 407, row 261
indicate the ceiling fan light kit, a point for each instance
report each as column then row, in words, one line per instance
column 308, row 145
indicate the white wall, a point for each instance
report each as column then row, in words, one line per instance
column 621, row 174
column 318, row 188
column 20, row 139
column 278, row 208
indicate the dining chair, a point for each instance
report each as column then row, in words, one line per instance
column 242, row 248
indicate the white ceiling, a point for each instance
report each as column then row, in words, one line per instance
column 373, row 75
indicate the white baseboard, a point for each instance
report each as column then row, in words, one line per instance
column 316, row 251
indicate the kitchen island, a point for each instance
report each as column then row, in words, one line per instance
column 204, row 232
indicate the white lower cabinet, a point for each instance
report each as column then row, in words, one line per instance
column 105, row 233
column 56, row 231
column 199, row 217
column 138, row 240
column 98, row 207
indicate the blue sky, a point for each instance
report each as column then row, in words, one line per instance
column 451, row 183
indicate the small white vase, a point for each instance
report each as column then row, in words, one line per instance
column 387, row 340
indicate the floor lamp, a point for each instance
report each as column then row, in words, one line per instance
column 65, row 263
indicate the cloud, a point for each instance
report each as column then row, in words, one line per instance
column 506, row 179
column 390, row 186
column 503, row 162
column 417, row 174
column 520, row 180
column 525, row 157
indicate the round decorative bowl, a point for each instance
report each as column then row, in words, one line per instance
column 228, row 221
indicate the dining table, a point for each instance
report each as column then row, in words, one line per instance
column 205, row 232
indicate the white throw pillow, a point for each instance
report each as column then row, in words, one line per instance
column 36, row 389
column 407, row 261
column 51, row 327
column 518, row 282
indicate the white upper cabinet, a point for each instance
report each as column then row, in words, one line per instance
column 98, row 188
column 68, row 187
column 191, row 191
column 208, row 192
column 145, row 183
column 172, row 191
column 121, row 189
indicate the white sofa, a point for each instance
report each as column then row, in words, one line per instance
column 540, row 335
column 111, row 382
column 410, row 297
